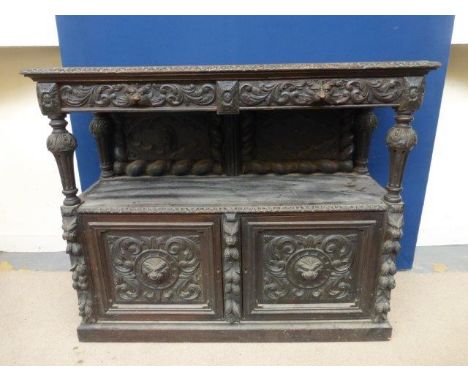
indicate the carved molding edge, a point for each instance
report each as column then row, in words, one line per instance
column 80, row 272
column 85, row 208
column 48, row 98
column 232, row 268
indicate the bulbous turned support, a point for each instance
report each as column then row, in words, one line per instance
column 63, row 144
column 101, row 128
column 365, row 123
column 401, row 139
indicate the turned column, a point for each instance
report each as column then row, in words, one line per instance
column 365, row 123
column 63, row 144
column 101, row 128
column 401, row 139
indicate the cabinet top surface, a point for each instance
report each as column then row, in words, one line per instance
column 215, row 194
column 344, row 69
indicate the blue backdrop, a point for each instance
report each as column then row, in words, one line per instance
column 180, row 40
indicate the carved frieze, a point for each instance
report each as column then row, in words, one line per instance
column 321, row 92
column 227, row 97
column 308, row 268
column 141, row 95
column 156, row 269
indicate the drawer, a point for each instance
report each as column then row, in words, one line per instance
column 155, row 267
column 310, row 266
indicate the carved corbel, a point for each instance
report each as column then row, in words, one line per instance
column 48, row 98
column 413, row 93
column 227, row 97
column 365, row 123
column 63, row 144
column 101, row 128
column 232, row 268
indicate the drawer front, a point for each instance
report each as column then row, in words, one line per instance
column 155, row 267
column 310, row 266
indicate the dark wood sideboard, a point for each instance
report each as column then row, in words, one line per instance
column 234, row 202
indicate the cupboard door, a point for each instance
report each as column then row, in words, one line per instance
column 155, row 267
column 310, row 266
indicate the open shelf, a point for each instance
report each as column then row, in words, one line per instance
column 213, row 194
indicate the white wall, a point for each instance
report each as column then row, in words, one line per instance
column 30, row 188
column 30, row 194
column 444, row 218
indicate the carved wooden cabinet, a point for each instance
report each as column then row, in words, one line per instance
column 234, row 202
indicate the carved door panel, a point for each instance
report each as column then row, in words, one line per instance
column 151, row 267
column 310, row 266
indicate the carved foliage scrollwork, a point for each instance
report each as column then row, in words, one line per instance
column 327, row 91
column 156, row 269
column 80, row 272
column 308, row 268
column 61, row 141
column 137, row 95
column 391, row 247
column 402, row 138
column 231, row 268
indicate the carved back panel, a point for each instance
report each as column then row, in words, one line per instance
column 304, row 141
column 165, row 144
column 280, row 142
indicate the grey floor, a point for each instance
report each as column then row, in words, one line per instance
column 39, row 316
